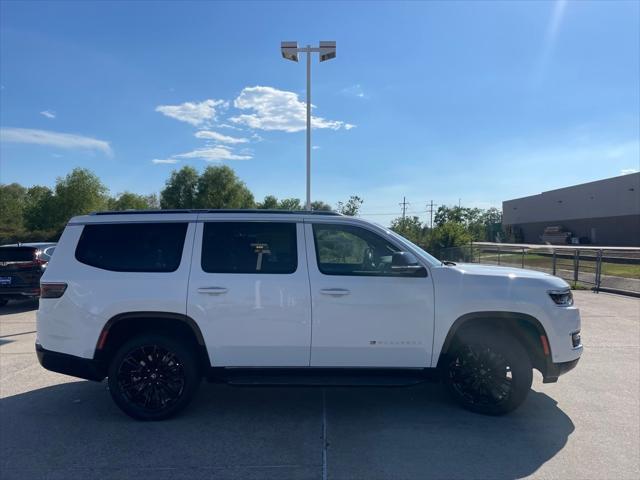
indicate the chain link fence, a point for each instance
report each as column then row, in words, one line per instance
column 615, row 269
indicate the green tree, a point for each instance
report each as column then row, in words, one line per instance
column 320, row 206
column 290, row 204
column 40, row 209
column 351, row 207
column 12, row 203
column 410, row 228
column 80, row 192
column 270, row 202
column 153, row 201
column 447, row 235
column 129, row 201
column 492, row 215
column 180, row 189
column 219, row 187
column 12, row 200
column 480, row 224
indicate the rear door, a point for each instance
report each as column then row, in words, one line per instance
column 19, row 269
column 249, row 292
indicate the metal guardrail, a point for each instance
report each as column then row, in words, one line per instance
column 602, row 268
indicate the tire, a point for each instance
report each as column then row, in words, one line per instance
column 488, row 372
column 153, row 376
column 3, row 301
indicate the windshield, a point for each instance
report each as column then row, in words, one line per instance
column 418, row 250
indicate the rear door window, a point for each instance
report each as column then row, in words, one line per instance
column 132, row 247
column 17, row 254
column 249, row 247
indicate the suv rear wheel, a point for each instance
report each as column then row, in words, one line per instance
column 153, row 377
column 488, row 372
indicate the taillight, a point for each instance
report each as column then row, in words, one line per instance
column 52, row 290
column 40, row 262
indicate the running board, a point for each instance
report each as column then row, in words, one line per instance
column 321, row 377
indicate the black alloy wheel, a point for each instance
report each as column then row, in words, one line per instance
column 489, row 373
column 153, row 377
column 481, row 375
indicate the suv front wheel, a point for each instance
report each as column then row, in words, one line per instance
column 488, row 372
column 153, row 377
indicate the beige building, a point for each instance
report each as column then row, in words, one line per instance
column 604, row 212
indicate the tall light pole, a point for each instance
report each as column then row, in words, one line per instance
column 327, row 51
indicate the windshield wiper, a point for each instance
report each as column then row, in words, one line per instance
column 449, row 264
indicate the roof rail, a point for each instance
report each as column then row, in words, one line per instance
column 221, row 210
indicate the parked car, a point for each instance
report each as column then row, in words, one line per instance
column 156, row 300
column 21, row 266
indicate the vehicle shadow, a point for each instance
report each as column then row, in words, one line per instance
column 73, row 430
column 19, row 306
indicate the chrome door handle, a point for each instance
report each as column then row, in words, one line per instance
column 335, row 292
column 212, row 290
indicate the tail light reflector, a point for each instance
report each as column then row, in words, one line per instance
column 52, row 290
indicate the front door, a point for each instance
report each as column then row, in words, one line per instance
column 364, row 313
column 249, row 292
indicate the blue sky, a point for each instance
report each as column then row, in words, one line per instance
column 475, row 102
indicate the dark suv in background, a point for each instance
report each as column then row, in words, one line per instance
column 21, row 266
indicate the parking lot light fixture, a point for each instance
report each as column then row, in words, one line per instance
column 326, row 51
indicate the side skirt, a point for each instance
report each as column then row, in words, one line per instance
column 320, row 376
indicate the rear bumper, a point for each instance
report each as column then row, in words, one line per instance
column 86, row 368
column 20, row 292
column 554, row 370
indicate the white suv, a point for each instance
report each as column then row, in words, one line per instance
column 156, row 300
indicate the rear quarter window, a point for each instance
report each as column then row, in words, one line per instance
column 132, row 247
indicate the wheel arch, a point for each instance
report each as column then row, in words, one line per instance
column 125, row 325
column 525, row 328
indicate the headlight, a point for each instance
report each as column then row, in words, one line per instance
column 562, row 298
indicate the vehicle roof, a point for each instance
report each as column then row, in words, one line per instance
column 31, row 244
column 218, row 210
column 133, row 216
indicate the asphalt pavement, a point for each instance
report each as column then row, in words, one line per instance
column 587, row 426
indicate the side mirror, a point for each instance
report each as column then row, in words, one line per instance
column 406, row 263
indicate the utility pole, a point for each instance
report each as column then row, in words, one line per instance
column 430, row 210
column 404, row 204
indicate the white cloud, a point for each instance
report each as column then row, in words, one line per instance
column 275, row 109
column 53, row 139
column 165, row 161
column 349, row 126
column 226, row 125
column 355, row 91
column 628, row 171
column 48, row 113
column 193, row 113
column 214, row 154
column 218, row 137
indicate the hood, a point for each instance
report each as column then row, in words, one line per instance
column 494, row 270
column 511, row 273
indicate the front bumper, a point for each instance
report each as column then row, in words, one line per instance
column 554, row 370
column 86, row 368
